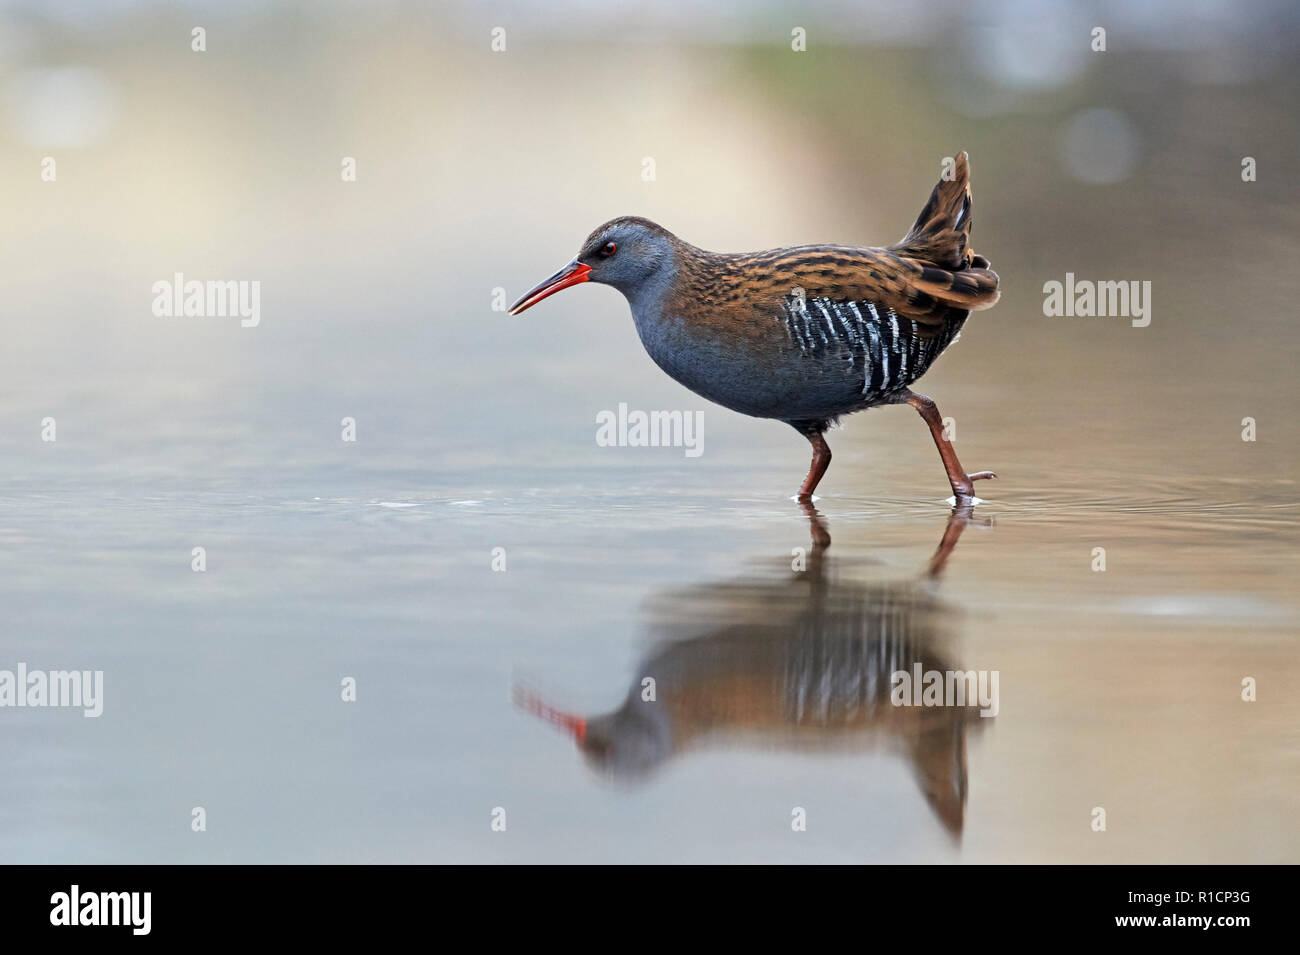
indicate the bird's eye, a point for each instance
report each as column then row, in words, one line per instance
column 609, row 249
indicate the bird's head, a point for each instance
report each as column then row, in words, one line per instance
column 627, row 253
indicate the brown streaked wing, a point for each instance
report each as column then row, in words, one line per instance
column 734, row 290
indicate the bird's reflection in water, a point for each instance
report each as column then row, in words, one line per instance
column 799, row 662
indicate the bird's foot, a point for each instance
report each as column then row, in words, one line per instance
column 963, row 492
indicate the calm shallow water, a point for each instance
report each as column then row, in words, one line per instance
column 1117, row 689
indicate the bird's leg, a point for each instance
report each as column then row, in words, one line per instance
column 963, row 488
column 821, row 460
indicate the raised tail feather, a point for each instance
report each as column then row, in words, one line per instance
column 939, row 243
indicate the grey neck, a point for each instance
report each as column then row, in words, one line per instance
column 647, row 297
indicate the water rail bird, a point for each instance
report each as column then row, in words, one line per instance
column 802, row 334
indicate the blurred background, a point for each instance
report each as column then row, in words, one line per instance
column 479, row 170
